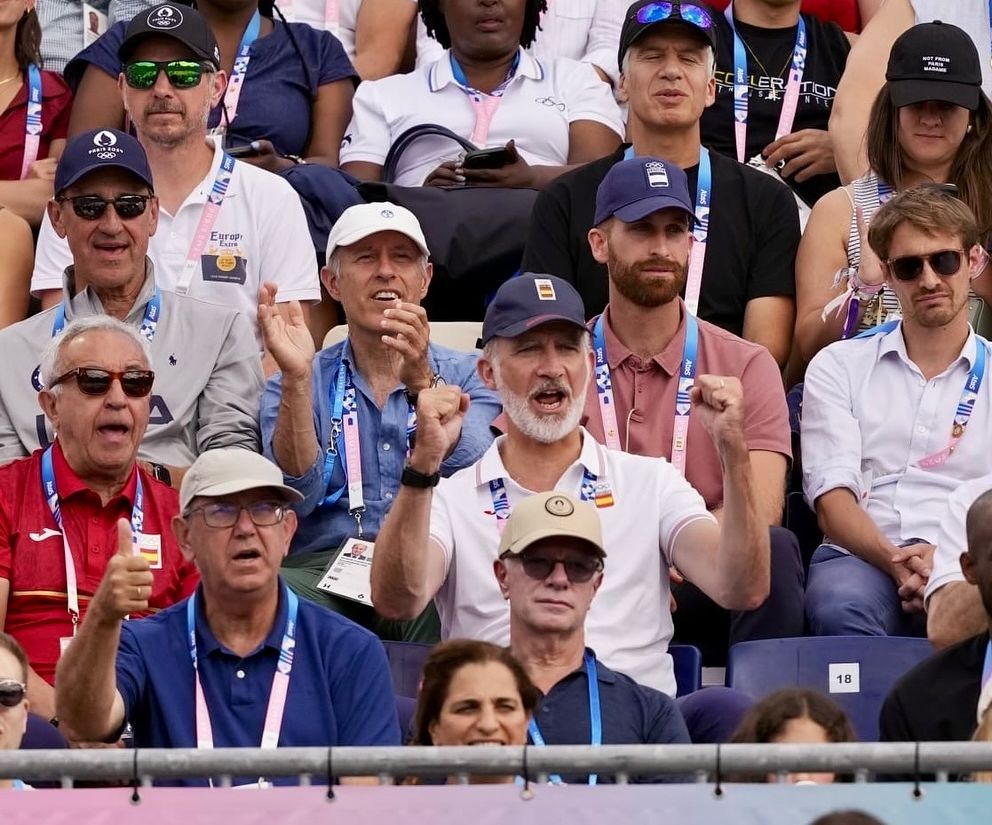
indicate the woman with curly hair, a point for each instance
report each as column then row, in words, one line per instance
column 546, row 115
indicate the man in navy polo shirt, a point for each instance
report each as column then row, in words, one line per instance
column 204, row 673
column 550, row 565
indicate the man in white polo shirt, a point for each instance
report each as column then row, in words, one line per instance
column 224, row 227
column 538, row 357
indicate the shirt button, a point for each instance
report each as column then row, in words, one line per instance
column 389, row 496
column 921, row 429
column 240, row 674
column 386, row 446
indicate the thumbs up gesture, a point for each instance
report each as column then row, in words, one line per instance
column 127, row 582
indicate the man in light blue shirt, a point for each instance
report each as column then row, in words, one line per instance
column 357, row 399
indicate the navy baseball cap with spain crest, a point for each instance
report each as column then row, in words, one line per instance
column 528, row 301
column 639, row 186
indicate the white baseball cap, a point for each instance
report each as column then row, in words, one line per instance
column 364, row 219
column 229, row 470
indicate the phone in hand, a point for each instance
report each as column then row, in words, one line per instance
column 488, row 158
column 245, row 150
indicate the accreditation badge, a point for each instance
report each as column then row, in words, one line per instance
column 94, row 24
column 350, row 572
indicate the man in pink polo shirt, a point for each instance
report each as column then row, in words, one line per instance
column 648, row 352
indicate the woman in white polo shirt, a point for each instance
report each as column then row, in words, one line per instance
column 548, row 114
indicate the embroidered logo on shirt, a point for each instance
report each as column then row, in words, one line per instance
column 545, row 289
column 47, row 533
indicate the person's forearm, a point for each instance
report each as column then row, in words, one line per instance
column 86, row 680
column 400, row 586
column 845, row 524
column 294, row 440
column 41, row 695
column 814, row 331
column 26, row 198
column 954, row 613
column 743, row 557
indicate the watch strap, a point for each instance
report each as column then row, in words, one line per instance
column 422, row 481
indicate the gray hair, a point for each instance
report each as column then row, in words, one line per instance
column 334, row 264
column 52, row 363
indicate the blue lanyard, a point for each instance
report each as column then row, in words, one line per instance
column 462, row 80
column 32, row 122
column 987, row 666
column 280, row 679
column 741, row 85
column 52, row 496
column 595, row 716
column 149, row 323
column 344, row 401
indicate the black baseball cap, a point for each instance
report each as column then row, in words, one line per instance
column 101, row 149
column 934, row 61
column 528, row 301
column 645, row 14
column 638, row 187
column 176, row 21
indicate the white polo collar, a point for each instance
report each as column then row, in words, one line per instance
column 441, row 75
column 592, row 458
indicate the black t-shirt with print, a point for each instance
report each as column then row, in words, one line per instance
column 750, row 251
column 826, row 57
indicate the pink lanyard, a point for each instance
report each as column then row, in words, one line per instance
column 485, row 105
column 32, row 129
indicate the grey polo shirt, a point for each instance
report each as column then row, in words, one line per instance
column 208, row 377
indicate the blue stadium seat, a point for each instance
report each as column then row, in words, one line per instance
column 688, row 661
column 406, row 661
column 41, row 734
column 855, row 671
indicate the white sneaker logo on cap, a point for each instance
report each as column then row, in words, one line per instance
column 106, row 145
column 166, row 17
column 657, row 175
column 545, row 289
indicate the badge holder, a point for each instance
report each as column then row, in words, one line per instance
column 349, row 573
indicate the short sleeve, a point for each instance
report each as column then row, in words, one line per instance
column 288, row 257
column 61, row 102
column 680, row 505
column 51, row 258
column 772, row 269
column 587, row 97
column 547, row 247
column 334, row 62
column 363, row 700
column 368, row 137
column 766, row 414
column 102, row 54
column 6, row 553
column 666, row 726
column 132, row 676
column 441, row 530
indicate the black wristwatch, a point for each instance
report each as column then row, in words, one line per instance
column 161, row 473
column 422, row 481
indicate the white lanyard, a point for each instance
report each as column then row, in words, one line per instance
column 211, row 209
column 280, row 679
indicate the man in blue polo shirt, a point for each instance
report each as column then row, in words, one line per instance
column 550, row 565
column 348, row 466
column 204, row 672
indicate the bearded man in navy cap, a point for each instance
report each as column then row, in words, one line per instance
column 441, row 543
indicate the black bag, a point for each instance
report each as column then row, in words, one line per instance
column 476, row 235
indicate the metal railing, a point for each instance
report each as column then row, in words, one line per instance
column 705, row 762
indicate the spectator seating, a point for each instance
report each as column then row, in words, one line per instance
column 688, row 661
column 856, row 671
column 460, row 335
column 406, row 663
column 40, row 734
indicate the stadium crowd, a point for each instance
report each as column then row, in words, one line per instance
column 542, row 339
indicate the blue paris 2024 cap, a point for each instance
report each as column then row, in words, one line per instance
column 530, row 300
column 637, row 187
column 101, row 149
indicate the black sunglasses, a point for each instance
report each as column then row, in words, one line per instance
column 182, row 74
column 92, row 207
column 12, row 693
column 95, row 381
column 578, row 570
column 944, row 263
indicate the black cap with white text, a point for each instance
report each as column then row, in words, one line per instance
column 934, row 61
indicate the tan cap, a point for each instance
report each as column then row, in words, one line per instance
column 545, row 515
column 364, row 219
column 229, row 470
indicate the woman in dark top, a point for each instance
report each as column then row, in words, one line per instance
column 295, row 102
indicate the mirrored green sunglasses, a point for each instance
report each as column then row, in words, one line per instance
column 182, row 74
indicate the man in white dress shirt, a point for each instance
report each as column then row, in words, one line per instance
column 894, row 421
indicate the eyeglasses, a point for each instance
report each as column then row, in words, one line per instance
column 92, row 207
column 656, row 12
column 182, row 74
column 95, row 381
column 12, row 693
column 944, row 263
column 578, row 570
column 223, row 514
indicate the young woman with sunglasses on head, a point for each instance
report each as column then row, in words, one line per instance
column 31, row 136
column 289, row 90
column 926, row 127
column 13, row 700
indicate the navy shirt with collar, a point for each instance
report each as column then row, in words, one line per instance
column 383, row 443
column 632, row 713
column 340, row 690
column 279, row 87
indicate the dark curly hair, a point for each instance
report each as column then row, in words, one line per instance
column 430, row 11
column 768, row 717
